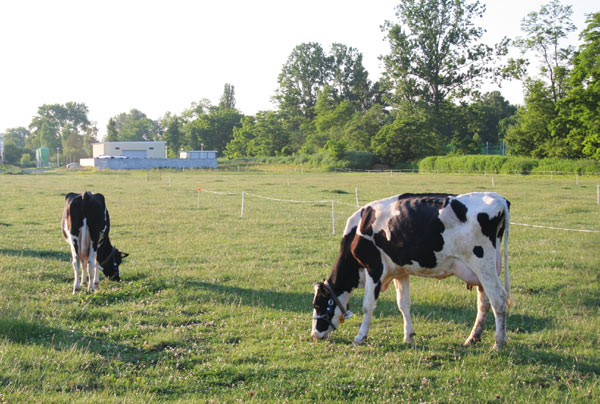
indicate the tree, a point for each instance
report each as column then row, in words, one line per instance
column 16, row 136
column 262, row 135
column 579, row 111
column 210, row 126
column 536, row 132
column 228, row 98
column 309, row 69
column 363, row 126
column 134, row 126
column 530, row 135
column 112, row 133
column 544, row 30
column 173, row 134
column 55, row 121
column 301, row 78
column 435, row 52
column 408, row 138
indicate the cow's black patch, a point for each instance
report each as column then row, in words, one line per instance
column 368, row 256
column 478, row 251
column 377, row 290
column 460, row 210
column 367, row 220
column 416, row 232
column 490, row 228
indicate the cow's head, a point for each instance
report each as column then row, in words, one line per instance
column 329, row 310
column 110, row 267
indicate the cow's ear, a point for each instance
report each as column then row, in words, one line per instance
column 124, row 254
column 323, row 290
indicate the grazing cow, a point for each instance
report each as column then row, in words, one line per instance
column 86, row 226
column 430, row 235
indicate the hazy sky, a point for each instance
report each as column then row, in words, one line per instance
column 159, row 56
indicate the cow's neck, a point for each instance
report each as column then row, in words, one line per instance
column 345, row 276
column 105, row 249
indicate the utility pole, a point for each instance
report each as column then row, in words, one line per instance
column 57, row 157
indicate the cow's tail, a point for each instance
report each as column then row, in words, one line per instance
column 509, row 301
column 83, row 242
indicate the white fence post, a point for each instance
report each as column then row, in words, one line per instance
column 199, row 190
column 598, row 194
column 356, row 194
column 242, row 214
column 333, row 217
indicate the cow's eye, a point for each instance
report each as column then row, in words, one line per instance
column 330, row 302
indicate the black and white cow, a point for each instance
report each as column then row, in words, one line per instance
column 430, row 235
column 86, row 226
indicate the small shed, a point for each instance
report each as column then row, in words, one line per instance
column 138, row 150
column 198, row 154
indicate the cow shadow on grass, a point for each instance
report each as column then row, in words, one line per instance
column 37, row 333
column 28, row 333
column 43, row 254
column 302, row 303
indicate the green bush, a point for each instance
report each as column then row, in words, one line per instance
column 506, row 165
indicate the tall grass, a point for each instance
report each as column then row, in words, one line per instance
column 215, row 307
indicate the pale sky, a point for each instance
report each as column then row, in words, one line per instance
column 159, row 56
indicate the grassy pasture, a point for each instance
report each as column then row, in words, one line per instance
column 216, row 308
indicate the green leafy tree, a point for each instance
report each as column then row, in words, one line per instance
column 211, row 129
column 301, row 78
column 309, row 69
column 134, row 126
column 536, row 132
column 408, row 138
column 55, row 121
column 363, row 126
column 173, row 134
column 545, row 29
column 228, row 98
column 112, row 132
column 16, row 136
column 242, row 139
column 530, row 135
column 265, row 134
column 579, row 111
column 435, row 53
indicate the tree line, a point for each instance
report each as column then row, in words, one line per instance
column 427, row 102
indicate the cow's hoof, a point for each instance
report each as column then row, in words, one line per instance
column 498, row 347
column 410, row 338
column 471, row 341
column 357, row 341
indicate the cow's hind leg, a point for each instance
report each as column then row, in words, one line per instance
column 76, row 268
column 369, row 304
column 403, row 299
column 496, row 294
column 483, row 306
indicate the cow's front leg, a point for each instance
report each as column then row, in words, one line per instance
column 369, row 304
column 403, row 300
column 94, row 281
column 483, row 306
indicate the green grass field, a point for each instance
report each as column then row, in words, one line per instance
column 215, row 307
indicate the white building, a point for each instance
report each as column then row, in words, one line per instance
column 139, row 150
